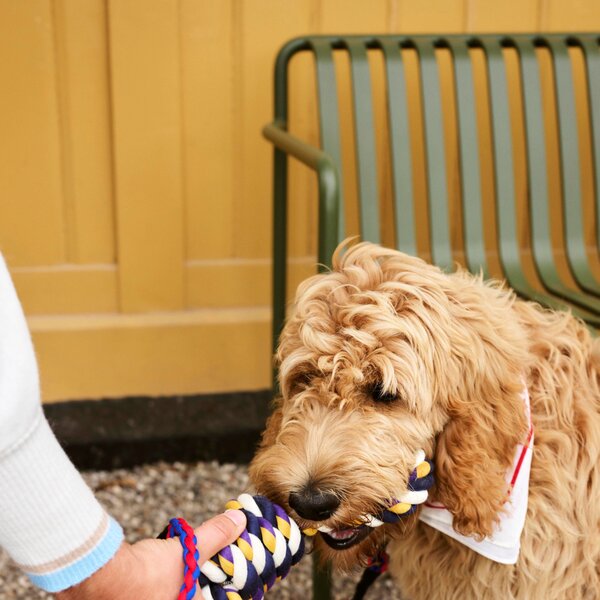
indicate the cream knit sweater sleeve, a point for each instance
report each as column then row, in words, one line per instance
column 50, row 522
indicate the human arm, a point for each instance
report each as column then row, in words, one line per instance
column 50, row 522
column 154, row 568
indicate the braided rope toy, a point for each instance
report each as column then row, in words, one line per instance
column 272, row 542
column 191, row 571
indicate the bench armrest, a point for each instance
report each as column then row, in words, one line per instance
column 329, row 185
column 329, row 206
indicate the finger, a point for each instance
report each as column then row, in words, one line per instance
column 218, row 532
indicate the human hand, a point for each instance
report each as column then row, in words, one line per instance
column 153, row 569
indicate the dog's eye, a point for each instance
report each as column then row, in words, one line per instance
column 381, row 396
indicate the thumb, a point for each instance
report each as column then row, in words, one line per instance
column 219, row 532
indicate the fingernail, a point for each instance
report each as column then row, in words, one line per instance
column 236, row 516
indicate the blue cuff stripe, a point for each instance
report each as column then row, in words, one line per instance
column 85, row 566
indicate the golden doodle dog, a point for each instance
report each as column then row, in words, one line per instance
column 386, row 355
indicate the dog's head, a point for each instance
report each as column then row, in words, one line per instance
column 383, row 356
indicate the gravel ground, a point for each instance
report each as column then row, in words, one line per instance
column 144, row 498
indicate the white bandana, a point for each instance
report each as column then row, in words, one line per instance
column 504, row 544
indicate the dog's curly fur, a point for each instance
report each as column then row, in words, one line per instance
column 454, row 352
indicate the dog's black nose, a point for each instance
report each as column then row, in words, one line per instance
column 314, row 504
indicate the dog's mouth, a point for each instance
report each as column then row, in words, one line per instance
column 342, row 539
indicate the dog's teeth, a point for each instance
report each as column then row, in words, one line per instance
column 342, row 535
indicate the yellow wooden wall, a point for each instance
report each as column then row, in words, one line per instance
column 136, row 189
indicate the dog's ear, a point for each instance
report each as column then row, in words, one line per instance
column 486, row 412
column 474, row 453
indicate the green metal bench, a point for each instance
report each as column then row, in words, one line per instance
column 580, row 290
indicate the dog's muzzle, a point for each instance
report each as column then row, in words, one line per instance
column 420, row 481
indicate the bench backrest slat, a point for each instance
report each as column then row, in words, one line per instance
column 590, row 45
column 535, row 139
column 329, row 122
column 364, row 129
column 437, row 184
column 400, row 149
column 504, row 178
column 469, row 158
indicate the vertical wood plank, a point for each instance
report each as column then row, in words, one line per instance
column 489, row 16
column 83, row 96
column 208, row 129
column 575, row 15
column 435, row 16
column 31, row 211
column 354, row 16
column 260, row 29
column 145, row 69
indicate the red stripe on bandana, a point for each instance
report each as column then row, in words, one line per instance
column 521, row 457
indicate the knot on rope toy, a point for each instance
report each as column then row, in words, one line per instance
column 272, row 542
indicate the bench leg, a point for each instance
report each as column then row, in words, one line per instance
column 321, row 580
